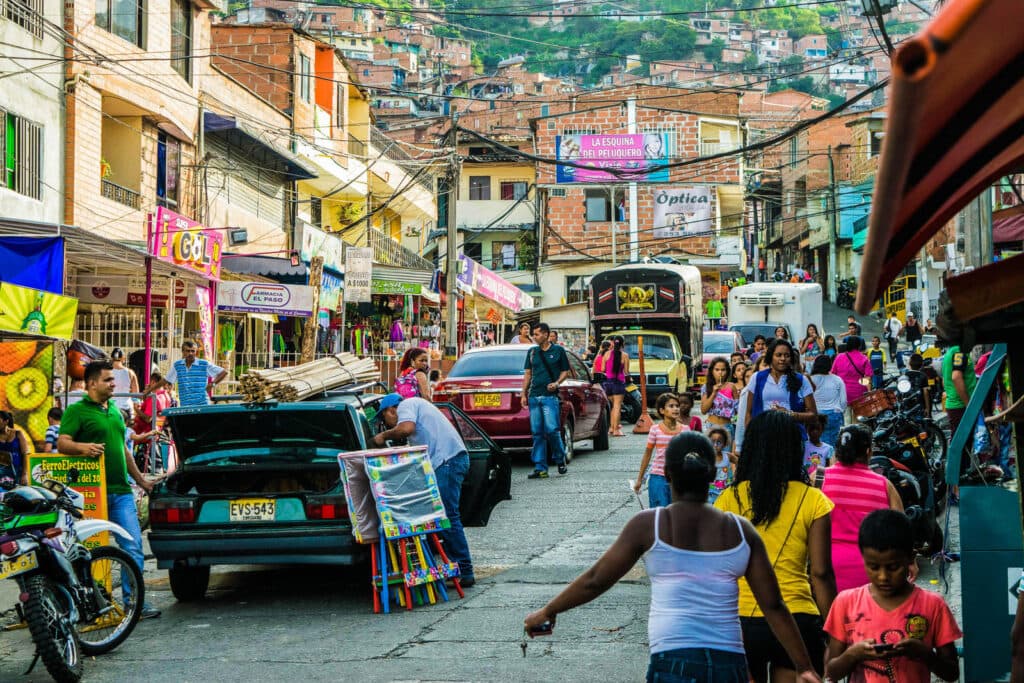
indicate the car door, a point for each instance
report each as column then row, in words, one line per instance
column 580, row 392
column 489, row 480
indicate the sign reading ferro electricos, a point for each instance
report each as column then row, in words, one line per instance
column 92, row 482
column 187, row 244
column 265, row 297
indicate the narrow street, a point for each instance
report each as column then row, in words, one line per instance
column 317, row 624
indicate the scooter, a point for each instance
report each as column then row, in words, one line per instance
column 75, row 601
column 631, row 404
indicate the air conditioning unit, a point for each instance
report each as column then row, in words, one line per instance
column 762, row 300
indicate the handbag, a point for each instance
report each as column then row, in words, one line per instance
column 551, row 374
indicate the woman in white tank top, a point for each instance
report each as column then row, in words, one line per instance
column 694, row 556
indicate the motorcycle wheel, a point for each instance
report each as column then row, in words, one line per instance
column 52, row 632
column 111, row 569
column 936, row 447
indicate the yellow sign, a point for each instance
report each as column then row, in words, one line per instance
column 32, row 311
column 92, row 482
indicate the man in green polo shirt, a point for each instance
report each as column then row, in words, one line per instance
column 959, row 380
column 94, row 428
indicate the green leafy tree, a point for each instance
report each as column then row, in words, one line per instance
column 713, row 52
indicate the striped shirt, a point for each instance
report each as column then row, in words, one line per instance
column 658, row 439
column 192, row 381
column 856, row 491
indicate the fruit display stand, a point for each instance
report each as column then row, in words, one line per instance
column 26, row 385
column 401, row 524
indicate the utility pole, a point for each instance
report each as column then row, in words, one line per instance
column 452, row 258
column 833, row 227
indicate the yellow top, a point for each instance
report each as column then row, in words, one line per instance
column 801, row 505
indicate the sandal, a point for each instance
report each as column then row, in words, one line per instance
column 617, row 432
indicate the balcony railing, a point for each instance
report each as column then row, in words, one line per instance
column 501, row 263
column 390, row 149
column 356, row 147
column 121, row 195
column 709, row 148
column 388, row 252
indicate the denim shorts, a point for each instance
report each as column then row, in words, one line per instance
column 697, row 665
column 614, row 387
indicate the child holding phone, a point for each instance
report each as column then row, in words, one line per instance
column 890, row 631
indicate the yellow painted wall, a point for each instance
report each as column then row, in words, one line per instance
column 498, row 173
column 122, row 148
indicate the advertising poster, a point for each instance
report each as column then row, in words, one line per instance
column 316, row 242
column 205, row 320
column 33, row 311
column 92, row 482
column 185, row 243
column 265, row 297
column 358, row 274
column 682, row 212
column 634, row 156
column 26, row 385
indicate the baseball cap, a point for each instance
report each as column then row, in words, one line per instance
column 389, row 401
column 910, row 315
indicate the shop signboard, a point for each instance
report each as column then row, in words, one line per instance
column 205, row 320
column 315, row 242
column 265, row 297
column 92, row 483
column 130, row 290
column 396, row 287
column 682, row 212
column 489, row 284
column 358, row 274
column 630, row 155
column 187, row 244
column 33, row 311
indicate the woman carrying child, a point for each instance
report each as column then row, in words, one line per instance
column 658, row 491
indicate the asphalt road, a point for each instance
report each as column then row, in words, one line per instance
column 262, row 624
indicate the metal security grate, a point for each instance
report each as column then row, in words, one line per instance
column 27, row 14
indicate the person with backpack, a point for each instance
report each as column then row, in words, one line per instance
column 546, row 368
column 412, row 380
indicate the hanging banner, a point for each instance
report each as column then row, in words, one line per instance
column 265, row 297
column 130, row 290
column 630, row 155
column 682, row 212
column 330, row 292
column 395, row 287
column 314, row 242
column 358, row 274
column 33, row 311
column 487, row 283
column 187, row 244
column 205, row 321
column 36, row 262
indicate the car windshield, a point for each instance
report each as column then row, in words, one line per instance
column 719, row 343
column 499, row 362
column 750, row 330
column 656, row 346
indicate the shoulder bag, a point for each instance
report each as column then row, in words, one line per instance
column 789, row 532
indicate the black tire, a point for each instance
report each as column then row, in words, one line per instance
column 935, row 542
column 567, row 439
column 601, row 438
column 188, row 584
column 630, row 411
column 52, row 632
column 935, row 444
column 109, row 567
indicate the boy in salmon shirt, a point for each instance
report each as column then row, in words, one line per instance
column 890, row 631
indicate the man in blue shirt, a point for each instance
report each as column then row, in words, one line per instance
column 191, row 374
column 422, row 424
column 546, row 368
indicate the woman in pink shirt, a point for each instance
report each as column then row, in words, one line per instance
column 852, row 366
column 856, row 492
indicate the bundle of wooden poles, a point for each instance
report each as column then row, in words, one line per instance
column 302, row 381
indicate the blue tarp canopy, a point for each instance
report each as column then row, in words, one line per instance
column 34, row 262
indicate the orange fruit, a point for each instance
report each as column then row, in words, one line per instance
column 15, row 355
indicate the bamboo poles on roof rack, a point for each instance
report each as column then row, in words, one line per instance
column 305, row 380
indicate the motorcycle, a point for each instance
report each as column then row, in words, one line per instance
column 631, row 404
column 846, row 292
column 75, row 601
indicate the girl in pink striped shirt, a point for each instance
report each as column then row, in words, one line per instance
column 658, row 491
column 856, row 492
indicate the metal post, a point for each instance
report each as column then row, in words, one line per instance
column 832, row 218
column 452, row 257
column 611, row 192
column 634, row 218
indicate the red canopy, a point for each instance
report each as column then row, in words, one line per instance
column 1008, row 226
column 955, row 125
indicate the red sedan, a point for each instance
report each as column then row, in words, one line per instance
column 486, row 384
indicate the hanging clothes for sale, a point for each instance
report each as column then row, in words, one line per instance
column 397, row 332
column 226, row 335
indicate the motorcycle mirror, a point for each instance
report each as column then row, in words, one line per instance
column 72, row 475
column 861, row 419
column 903, row 385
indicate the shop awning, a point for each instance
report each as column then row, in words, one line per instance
column 1008, row 227
column 410, row 275
column 955, row 126
column 262, row 152
column 279, row 269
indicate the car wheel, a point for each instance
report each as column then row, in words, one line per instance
column 601, row 438
column 567, row 438
column 189, row 583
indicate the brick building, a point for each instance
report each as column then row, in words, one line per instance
column 587, row 226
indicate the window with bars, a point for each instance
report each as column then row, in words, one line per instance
column 181, row 38
column 315, row 211
column 122, row 18
column 27, row 14
column 669, row 134
column 305, row 79
column 168, row 171
column 579, row 131
column 21, row 151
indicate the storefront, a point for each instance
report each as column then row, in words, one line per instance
column 489, row 305
column 249, row 312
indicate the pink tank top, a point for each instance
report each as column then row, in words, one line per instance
column 856, row 491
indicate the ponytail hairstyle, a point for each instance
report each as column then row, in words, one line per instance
column 690, row 463
column 616, row 366
column 410, row 355
column 854, row 444
column 793, row 381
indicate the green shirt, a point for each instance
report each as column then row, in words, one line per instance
column 88, row 422
column 955, row 359
column 714, row 309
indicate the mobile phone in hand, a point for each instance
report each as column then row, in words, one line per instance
column 544, row 629
column 883, row 647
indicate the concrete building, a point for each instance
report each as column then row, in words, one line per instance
column 31, row 112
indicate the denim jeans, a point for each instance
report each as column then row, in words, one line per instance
column 697, row 665
column 547, row 441
column 450, row 475
column 121, row 510
column 835, row 423
column 658, row 491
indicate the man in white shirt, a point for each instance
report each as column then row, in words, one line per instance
column 892, row 333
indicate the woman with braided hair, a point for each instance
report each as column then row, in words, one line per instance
column 771, row 490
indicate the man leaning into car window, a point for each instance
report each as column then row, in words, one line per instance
column 419, row 421
column 546, row 367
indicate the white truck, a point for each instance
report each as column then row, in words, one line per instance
column 762, row 307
